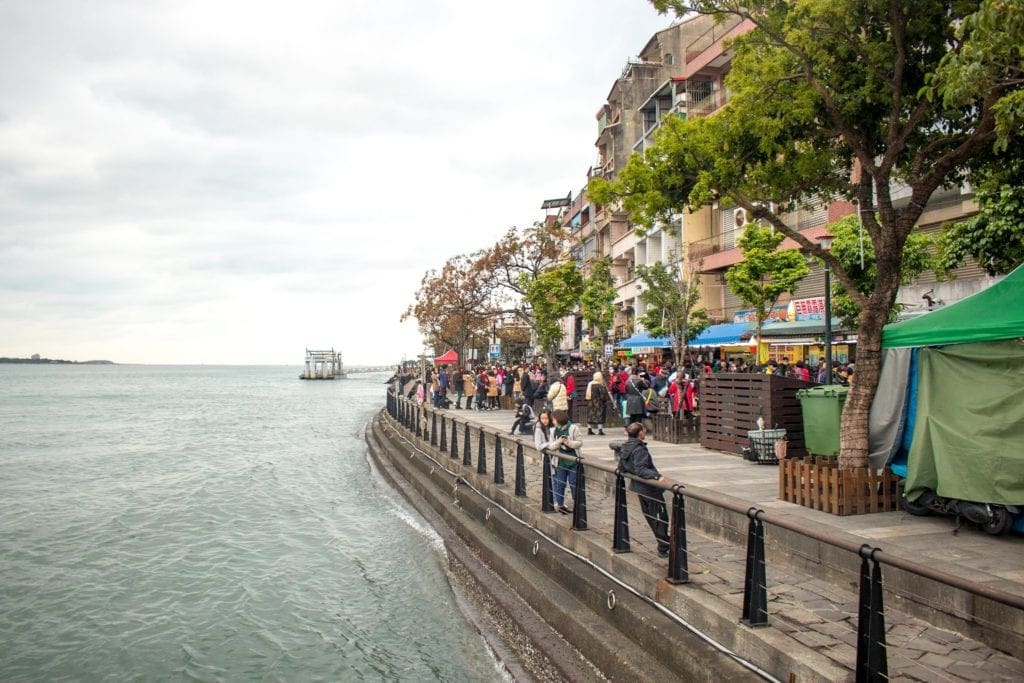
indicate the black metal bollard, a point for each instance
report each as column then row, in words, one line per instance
column 520, row 472
column 579, row 503
column 455, row 439
column 678, row 562
column 872, row 661
column 547, row 496
column 433, row 428
column 481, row 454
column 620, row 539
column 467, row 455
column 755, row 592
column 444, row 436
column 415, row 417
column 499, row 465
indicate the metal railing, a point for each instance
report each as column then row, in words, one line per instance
column 871, row 651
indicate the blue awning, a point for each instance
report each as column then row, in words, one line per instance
column 721, row 335
column 644, row 340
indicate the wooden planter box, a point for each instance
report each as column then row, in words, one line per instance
column 730, row 404
column 671, row 430
column 819, row 484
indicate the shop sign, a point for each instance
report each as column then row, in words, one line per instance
column 812, row 308
column 749, row 315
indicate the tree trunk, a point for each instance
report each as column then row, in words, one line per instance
column 853, row 433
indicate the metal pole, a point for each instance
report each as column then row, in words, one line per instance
column 828, row 325
column 520, row 472
column 547, row 503
column 579, row 503
column 467, row 455
column 499, row 464
column 481, row 454
column 620, row 538
column 678, row 565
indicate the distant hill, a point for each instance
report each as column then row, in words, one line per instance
column 51, row 361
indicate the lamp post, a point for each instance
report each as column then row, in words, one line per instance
column 825, row 242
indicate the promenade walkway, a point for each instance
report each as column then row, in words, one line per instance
column 820, row 614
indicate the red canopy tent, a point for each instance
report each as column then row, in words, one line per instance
column 448, row 356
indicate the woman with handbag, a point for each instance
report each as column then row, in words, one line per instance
column 635, row 408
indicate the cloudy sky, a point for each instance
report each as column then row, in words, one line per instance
column 231, row 182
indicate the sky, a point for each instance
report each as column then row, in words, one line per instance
column 234, row 182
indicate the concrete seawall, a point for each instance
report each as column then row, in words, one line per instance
column 812, row 635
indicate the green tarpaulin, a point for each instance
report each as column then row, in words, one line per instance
column 990, row 315
column 968, row 439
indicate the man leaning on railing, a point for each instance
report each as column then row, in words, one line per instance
column 635, row 458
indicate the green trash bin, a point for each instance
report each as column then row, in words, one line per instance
column 822, row 408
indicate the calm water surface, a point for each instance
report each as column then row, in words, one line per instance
column 212, row 523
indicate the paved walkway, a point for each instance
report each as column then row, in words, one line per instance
column 819, row 614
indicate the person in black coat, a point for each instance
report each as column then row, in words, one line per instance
column 635, row 386
column 635, row 459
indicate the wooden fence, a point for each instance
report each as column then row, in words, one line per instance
column 819, row 484
column 731, row 403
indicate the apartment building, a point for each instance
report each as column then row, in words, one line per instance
column 680, row 71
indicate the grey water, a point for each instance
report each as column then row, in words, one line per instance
column 212, row 523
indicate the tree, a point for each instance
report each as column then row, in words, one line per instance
column 597, row 302
column 450, row 306
column 765, row 274
column 520, row 257
column 671, row 295
column 840, row 98
column 994, row 237
column 847, row 249
column 552, row 295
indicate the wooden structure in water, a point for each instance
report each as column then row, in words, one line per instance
column 322, row 364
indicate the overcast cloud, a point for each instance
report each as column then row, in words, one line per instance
column 231, row 182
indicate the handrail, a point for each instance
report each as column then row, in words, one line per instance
column 784, row 522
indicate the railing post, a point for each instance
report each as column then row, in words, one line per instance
column 481, row 453
column 620, row 538
column 444, row 435
column 547, row 496
column 499, row 465
column 579, row 501
column 678, row 561
column 520, row 472
column 467, row 455
column 872, row 661
column 755, row 593
column 415, row 415
column 455, row 439
column 433, row 428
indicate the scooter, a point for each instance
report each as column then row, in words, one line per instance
column 992, row 518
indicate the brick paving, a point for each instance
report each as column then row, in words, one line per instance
column 815, row 613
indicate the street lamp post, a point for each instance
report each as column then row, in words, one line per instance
column 825, row 242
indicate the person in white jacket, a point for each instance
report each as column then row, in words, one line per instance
column 558, row 396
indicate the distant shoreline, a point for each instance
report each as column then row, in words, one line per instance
column 51, row 361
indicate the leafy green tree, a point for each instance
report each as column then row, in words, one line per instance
column 994, row 237
column 597, row 302
column 846, row 248
column 671, row 295
column 841, row 98
column 552, row 295
column 765, row 273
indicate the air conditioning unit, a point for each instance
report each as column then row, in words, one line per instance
column 739, row 217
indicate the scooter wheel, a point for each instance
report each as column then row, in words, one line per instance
column 999, row 523
column 919, row 507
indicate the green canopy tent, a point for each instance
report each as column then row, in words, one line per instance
column 992, row 314
column 951, row 398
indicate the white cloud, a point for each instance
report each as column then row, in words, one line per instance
column 209, row 182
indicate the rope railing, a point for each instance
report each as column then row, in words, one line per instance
column 871, row 660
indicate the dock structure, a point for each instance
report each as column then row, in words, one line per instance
column 322, row 364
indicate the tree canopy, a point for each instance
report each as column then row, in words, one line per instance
column 841, row 99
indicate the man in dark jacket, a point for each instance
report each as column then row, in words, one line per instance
column 635, row 459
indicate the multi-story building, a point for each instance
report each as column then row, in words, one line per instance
column 681, row 72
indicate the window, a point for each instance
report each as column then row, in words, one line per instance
column 669, row 59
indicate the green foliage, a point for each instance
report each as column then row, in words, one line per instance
column 765, row 273
column 552, row 295
column 671, row 299
column 846, row 248
column 994, row 237
column 598, row 297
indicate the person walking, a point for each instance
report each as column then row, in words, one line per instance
column 598, row 403
column 558, row 396
column 635, row 459
column 566, row 439
column 635, row 403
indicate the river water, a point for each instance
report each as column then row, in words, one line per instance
column 212, row 523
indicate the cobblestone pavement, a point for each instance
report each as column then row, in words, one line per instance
column 818, row 614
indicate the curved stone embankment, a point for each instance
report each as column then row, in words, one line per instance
column 538, row 587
